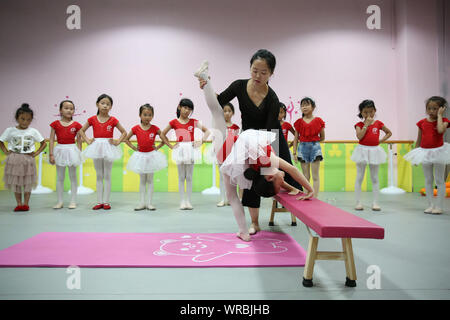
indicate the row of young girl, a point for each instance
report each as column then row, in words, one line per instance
column 430, row 150
column 20, row 170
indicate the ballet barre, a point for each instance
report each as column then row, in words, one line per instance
column 328, row 221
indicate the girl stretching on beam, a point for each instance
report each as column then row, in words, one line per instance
column 248, row 160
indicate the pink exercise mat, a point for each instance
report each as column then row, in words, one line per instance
column 153, row 250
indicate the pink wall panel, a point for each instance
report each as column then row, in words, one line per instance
column 146, row 51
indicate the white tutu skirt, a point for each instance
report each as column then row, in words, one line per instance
column 185, row 153
column 246, row 150
column 147, row 162
column 67, row 155
column 209, row 156
column 368, row 154
column 432, row 155
column 102, row 149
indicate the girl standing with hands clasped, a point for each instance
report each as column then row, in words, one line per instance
column 103, row 149
column 186, row 151
column 368, row 151
column 431, row 151
column 66, row 153
column 146, row 159
column 310, row 131
column 20, row 168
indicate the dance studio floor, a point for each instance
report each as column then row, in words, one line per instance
column 413, row 259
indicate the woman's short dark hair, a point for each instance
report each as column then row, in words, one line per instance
column 267, row 56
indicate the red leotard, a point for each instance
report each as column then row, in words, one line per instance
column 65, row 134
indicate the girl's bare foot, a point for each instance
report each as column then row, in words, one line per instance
column 254, row 228
column 428, row 210
column 437, row 211
column 243, row 236
column 59, row 205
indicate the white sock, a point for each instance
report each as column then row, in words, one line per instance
column 73, row 184
column 222, row 187
column 439, row 176
column 149, row 188
column 375, row 182
column 189, row 173
column 98, row 165
column 360, row 169
column 142, row 184
column 236, row 205
column 107, row 181
column 429, row 188
column 181, row 178
column 60, row 175
column 218, row 121
column 202, row 72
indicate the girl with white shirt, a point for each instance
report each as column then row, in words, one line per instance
column 20, row 168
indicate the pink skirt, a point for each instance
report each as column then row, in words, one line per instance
column 20, row 172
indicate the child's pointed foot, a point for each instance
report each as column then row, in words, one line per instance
column 139, row 207
column 254, row 228
column 72, row 205
column 437, row 211
column 243, row 236
column 202, row 72
column 376, row 207
column 428, row 210
column 59, row 205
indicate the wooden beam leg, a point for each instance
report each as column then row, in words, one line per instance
column 293, row 220
column 349, row 262
column 272, row 214
column 310, row 261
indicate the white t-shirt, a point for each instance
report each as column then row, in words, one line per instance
column 21, row 141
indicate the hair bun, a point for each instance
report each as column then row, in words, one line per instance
column 251, row 174
column 25, row 106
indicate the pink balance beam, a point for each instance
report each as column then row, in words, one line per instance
column 329, row 221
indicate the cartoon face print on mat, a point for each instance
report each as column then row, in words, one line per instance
column 204, row 248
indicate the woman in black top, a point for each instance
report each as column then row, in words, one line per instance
column 259, row 106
